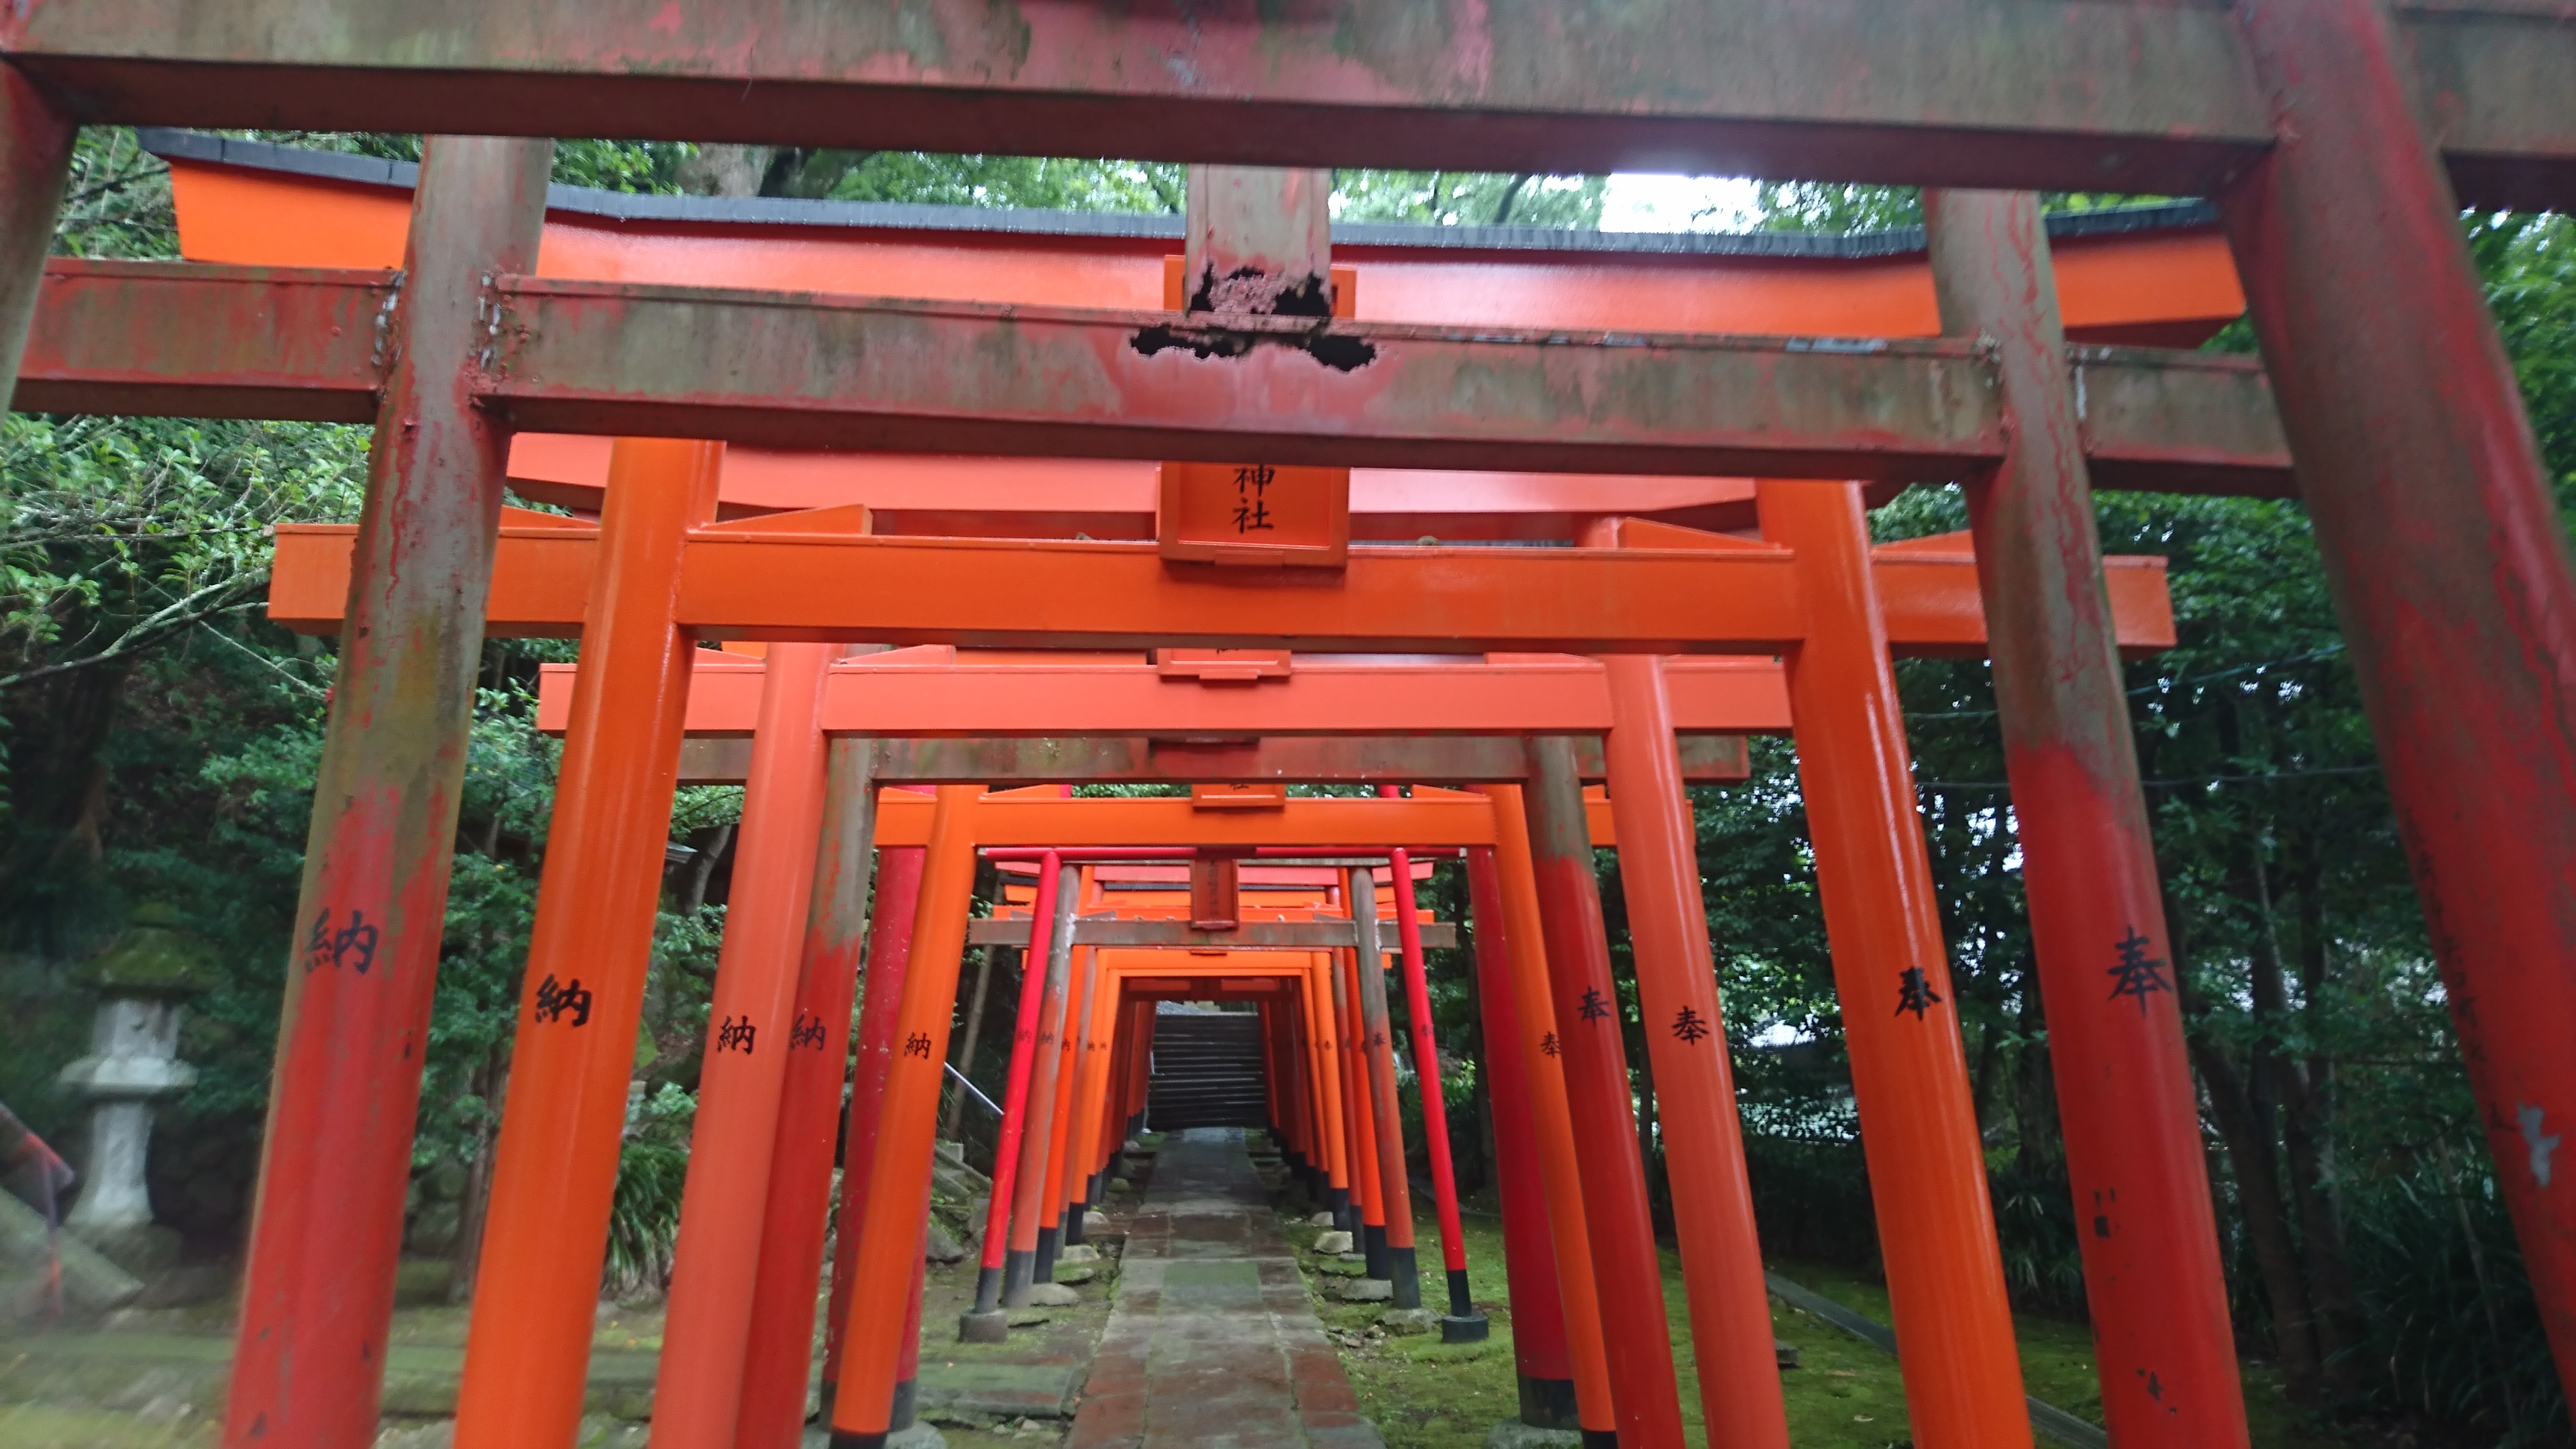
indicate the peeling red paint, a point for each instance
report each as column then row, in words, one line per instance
column 2445, row 553
column 318, row 1291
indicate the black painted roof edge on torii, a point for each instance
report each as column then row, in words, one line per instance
column 664, row 209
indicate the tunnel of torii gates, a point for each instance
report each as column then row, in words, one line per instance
column 1007, row 716
column 2336, row 141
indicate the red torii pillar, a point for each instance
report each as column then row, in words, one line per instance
column 778, row 1354
column 1386, row 1125
column 527, row 1348
column 2154, row 1288
column 890, row 1239
column 1540, row 1350
column 2444, row 547
column 1462, row 1323
column 1368, row 1205
column 985, row 1322
column 1542, row 1055
column 890, row 932
column 1891, row 971
column 1322, row 1048
column 1626, row 1268
column 335, row 1160
column 1685, row 1031
column 1064, row 1138
column 697, row 1395
column 1090, row 1089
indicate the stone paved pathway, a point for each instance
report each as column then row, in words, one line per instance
column 1212, row 1342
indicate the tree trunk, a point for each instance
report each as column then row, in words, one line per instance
column 2243, row 1126
column 490, row 1082
column 1659, row 1196
column 58, row 783
column 966, row 1047
column 693, row 887
column 724, row 170
column 2036, row 1137
column 1981, row 1078
column 1481, row 1103
column 2305, row 1155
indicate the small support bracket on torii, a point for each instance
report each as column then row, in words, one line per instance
column 1258, row 244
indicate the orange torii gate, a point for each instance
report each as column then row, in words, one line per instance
column 1171, row 818
column 1619, row 1234
column 2331, row 132
column 952, row 701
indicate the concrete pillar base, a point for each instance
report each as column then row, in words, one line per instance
column 1408, row 1321
column 1513, row 1434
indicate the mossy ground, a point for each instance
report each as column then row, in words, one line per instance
column 1845, row 1394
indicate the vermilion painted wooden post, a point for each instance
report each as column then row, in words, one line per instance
column 1090, row 1085
column 890, row 1239
column 1462, row 1324
column 985, row 1322
column 536, row 1296
column 1143, row 1066
column 2153, row 1288
column 1324, row 1052
column 898, row 895
column 1368, row 1182
column 1274, row 1109
column 1544, row 1363
column 1730, row 1308
column 1109, row 1124
column 1307, row 1150
column 697, row 1388
column 1028, row 1199
column 1386, row 1124
column 318, row 1293
column 1625, row 1266
column 1560, row 1165
column 778, row 1356
column 1298, row 1093
column 1945, row 1281
column 2447, row 555
column 1060, row 1135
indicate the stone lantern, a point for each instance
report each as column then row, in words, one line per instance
column 133, row 1058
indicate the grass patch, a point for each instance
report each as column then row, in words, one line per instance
column 1846, row 1394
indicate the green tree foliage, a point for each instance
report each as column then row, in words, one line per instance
column 1469, row 198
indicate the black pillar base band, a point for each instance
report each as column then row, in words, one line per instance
column 1548, row 1403
column 1373, row 1244
column 1407, row 1277
column 1600, row 1439
column 1465, row 1328
column 1019, row 1270
column 1461, row 1305
column 1073, row 1222
column 846, row 1439
column 988, row 1289
column 907, row 1397
column 1099, row 1188
column 1043, row 1270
